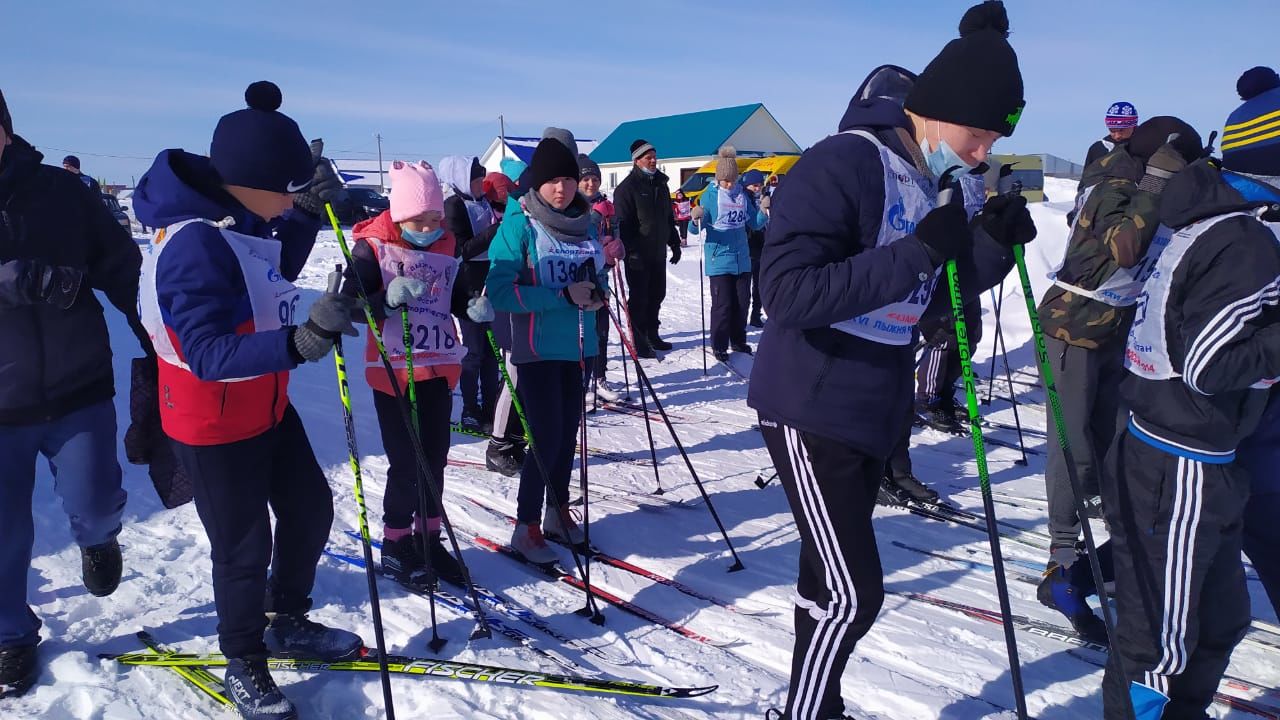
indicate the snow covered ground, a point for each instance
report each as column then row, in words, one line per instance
column 919, row 662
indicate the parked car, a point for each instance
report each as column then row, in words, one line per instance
column 117, row 212
column 359, row 204
column 774, row 165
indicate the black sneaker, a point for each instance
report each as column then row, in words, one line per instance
column 292, row 635
column 18, row 669
column 402, row 559
column 743, row 348
column 101, row 566
column 254, row 693
column 443, row 563
column 906, row 489
column 643, row 349
column 503, row 458
column 658, row 343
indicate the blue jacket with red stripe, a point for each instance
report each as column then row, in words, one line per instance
column 205, row 306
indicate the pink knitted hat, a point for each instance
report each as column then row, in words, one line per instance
column 415, row 189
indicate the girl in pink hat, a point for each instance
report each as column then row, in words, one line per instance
column 404, row 257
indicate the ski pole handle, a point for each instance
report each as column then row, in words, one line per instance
column 335, row 280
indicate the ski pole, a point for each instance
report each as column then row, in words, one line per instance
column 644, row 382
column 644, row 405
column 353, row 456
column 991, row 371
column 763, row 482
column 411, row 383
column 945, row 191
column 702, row 300
column 582, row 430
column 592, row 608
column 1077, row 489
column 618, row 298
column 482, row 625
column 1013, row 396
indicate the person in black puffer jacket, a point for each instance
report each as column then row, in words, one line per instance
column 647, row 227
column 58, row 243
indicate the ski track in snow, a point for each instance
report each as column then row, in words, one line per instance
column 918, row 661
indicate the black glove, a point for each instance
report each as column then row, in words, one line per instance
column 38, row 282
column 675, row 254
column 945, row 233
column 325, row 186
column 634, row 263
column 1006, row 219
column 327, row 321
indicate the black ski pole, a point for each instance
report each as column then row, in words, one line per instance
column 702, row 299
column 482, row 626
column 622, row 348
column 763, row 482
column 644, row 383
column 946, row 188
column 591, row 609
column 991, row 371
column 644, row 406
column 582, row 449
column 1013, row 396
column 1077, row 488
column 411, row 384
column 353, row 456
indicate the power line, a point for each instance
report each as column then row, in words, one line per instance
column 102, row 155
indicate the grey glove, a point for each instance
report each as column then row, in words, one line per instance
column 1164, row 164
column 327, row 321
column 403, row 290
column 480, row 310
column 326, row 186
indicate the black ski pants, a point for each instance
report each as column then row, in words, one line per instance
column 730, row 300
column 551, row 395
column 939, row 366
column 832, row 492
column 647, row 288
column 238, row 486
column 435, row 406
column 1181, row 600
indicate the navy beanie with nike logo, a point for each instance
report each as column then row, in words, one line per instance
column 261, row 148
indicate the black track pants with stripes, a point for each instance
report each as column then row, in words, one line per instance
column 832, row 491
column 1181, row 600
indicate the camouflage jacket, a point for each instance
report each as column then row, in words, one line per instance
column 1113, row 228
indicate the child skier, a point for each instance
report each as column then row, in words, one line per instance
column 219, row 305
column 851, row 259
column 724, row 212
column 545, row 240
column 606, row 222
column 1203, row 348
column 405, row 258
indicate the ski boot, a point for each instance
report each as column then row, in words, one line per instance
column 562, row 526
column 902, row 490
column 720, row 355
column 658, row 343
column 18, row 669
column 402, row 560
column 606, row 392
column 472, row 419
column 503, row 457
column 101, row 566
column 253, row 692
column 443, row 564
column 528, row 541
column 1066, row 586
column 743, row 348
column 643, row 349
column 292, row 635
column 938, row 415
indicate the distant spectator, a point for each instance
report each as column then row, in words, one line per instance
column 1121, row 119
column 682, row 206
column 71, row 164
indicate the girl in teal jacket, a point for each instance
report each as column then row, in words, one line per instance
column 538, row 265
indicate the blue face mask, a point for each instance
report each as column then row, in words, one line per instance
column 943, row 159
column 421, row 239
column 649, row 172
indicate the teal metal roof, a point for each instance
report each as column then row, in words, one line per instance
column 675, row 136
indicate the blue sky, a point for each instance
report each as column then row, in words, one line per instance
column 118, row 82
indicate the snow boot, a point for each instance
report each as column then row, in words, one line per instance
column 743, row 348
column 254, row 693
column 443, row 563
column 101, row 566
column 18, row 669
column 562, row 526
column 898, row 489
column 292, row 635
column 503, row 457
column 528, row 541
column 643, row 349
column 402, row 560
column 720, row 355
column 658, row 343
column 1063, row 589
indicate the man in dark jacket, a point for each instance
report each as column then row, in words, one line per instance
column 647, row 226
column 753, row 181
column 851, row 260
column 71, row 164
column 58, row 243
column 1204, row 348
